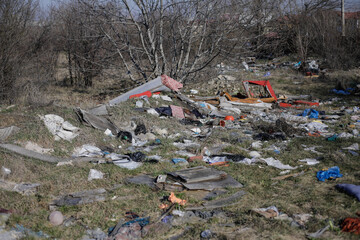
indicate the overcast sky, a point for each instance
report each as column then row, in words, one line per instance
column 350, row 5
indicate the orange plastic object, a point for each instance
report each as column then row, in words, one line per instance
column 306, row 103
column 229, row 118
column 163, row 206
column 315, row 134
column 285, row 105
column 147, row 93
column 225, row 164
column 351, row 225
column 174, row 199
column 194, row 158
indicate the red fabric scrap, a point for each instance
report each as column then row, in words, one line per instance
column 177, row 112
column 171, row 83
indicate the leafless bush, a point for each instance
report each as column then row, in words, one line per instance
column 25, row 60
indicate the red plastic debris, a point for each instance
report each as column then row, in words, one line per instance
column 147, row 93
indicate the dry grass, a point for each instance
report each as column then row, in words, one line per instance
column 303, row 194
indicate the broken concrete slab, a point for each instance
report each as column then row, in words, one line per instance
column 30, row 154
column 97, row 122
column 8, row 131
column 22, row 188
column 219, row 203
column 99, row 110
column 79, row 198
column 142, row 180
column 60, row 128
column 198, row 174
column 228, row 182
column 155, row 85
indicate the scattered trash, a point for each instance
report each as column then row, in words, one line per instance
column 310, row 161
column 318, row 233
column 276, row 163
column 269, row 212
column 22, row 188
column 87, row 150
column 95, row 174
column 98, row 122
column 331, row 173
column 206, row 234
column 351, row 225
column 5, row 171
column 60, row 128
column 174, row 199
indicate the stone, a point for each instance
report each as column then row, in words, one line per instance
column 56, row 218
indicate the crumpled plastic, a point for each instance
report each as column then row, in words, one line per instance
column 333, row 173
column 312, row 113
column 174, row 199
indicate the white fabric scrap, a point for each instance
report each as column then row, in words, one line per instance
column 87, row 151
column 276, row 163
column 310, row 161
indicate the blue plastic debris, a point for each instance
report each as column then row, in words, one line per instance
column 178, row 160
column 350, row 189
column 141, row 221
column 333, row 173
column 29, row 232
column 167, row 219
column 267, row 74
column 311, row 112
column 343, row 92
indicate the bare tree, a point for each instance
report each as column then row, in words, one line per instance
column 177, row 38
column 82, row 41
column 16, row 16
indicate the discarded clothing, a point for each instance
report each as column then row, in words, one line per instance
column 331, row 173
column 137, row 156
column 177, row 112
column 341, row 92
column 164, row 111
column 351, row 189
